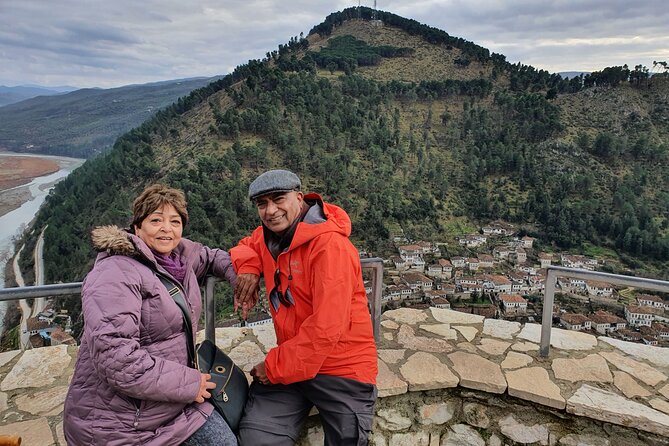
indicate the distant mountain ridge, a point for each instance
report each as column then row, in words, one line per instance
column 85, row 122
column 11, row 95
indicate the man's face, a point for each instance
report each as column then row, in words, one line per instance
column 278, row 211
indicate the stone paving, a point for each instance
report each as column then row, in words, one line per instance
column 420, row 350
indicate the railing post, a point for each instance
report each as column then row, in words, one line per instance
column 547, row 315
column 375, row 264
column 209, row 309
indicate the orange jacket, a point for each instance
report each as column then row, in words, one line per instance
column 328, row 330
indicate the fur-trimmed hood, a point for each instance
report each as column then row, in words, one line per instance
column 113, row 240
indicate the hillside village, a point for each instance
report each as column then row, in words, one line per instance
column 505, row 278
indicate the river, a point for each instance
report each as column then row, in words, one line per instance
column 12, row 223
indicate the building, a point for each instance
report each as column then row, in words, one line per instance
column 513, row 304
column 650, row 300
column 417, row 281
column 545, row 259
column 597, row 288
column 519, row 256
column 486, row 260
column 440, row 302
column 638, row 316
column 604, row 322
column 574, row 321
column 458, row 262
column 581, row 262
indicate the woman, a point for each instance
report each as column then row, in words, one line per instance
column 132, row 384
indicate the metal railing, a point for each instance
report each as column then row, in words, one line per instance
column 71, row 289
column 553, row 272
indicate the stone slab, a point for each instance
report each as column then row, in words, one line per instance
column 562, row 339
column 493, row 347
column 659, row 404
column 591, row 368
column 478, row 373
column 424, row 371
column 462, row 435
column 437, row 413
column 521, row 433
column 515, row 360
column 499, row 328
column 246, row 355
column 443, row 330
column 391, row 356
column 388, row 383
column 389, row 324
column 655, row 355
column 610, row 407
column 392, row 420
column 455, row 317
column 639, row 370
column 39, row 367
column 406, row 316
column 41, row 402
column 406, row 336
column 266, row 335
column 628, row 386
column 468, row 332
column 33, row 432
column 534, row 384
column 225, row 337
column 525, row 347
column 5, row 357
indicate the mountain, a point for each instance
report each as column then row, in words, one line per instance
column 85, row 122
column 11, row 95
column 573, row 74
column 407, row 128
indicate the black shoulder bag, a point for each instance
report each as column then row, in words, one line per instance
column 232, row 388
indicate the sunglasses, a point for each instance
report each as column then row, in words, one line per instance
column 276, row 297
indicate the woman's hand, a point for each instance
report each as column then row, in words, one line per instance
column 246, row 293
column 205, row 385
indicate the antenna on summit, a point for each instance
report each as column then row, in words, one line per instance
column 375, row 21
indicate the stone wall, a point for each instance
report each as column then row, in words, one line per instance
column 445, row 378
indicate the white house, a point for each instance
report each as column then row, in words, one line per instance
column 574, row 321
column 604, row 322
column 597, row 288
column 458, row 262
column 639, row 316
column 545, row 259
column 513, row 304
column 650, row 300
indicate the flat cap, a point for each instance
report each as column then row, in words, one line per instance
column 274, row 181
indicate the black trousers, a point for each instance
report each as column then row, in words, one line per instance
column 275, row 414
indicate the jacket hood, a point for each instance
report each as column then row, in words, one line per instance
column 336, row 220
column 113, row 240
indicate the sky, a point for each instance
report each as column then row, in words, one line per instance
column 109, row 43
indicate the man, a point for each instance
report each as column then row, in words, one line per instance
column 326, row 356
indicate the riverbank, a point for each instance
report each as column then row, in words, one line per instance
column 27, row 181
column 17, row 171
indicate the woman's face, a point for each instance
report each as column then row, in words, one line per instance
column 161, row 230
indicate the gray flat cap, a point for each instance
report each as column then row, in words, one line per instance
column 274, row 181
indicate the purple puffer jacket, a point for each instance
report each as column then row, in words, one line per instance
column 131, row 383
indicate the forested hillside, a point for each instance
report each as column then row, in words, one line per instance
column 85, row 122
column 404, row 126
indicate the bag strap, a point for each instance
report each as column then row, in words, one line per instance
column 175, row 292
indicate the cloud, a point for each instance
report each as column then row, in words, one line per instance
column 111, row 43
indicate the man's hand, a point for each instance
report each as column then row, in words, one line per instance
column 205, row 385
column 260, row 374
column 246, row 293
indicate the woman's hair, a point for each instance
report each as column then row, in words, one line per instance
column 155, row 197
